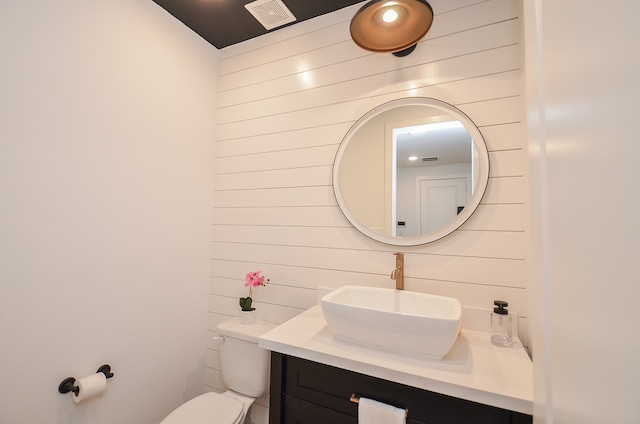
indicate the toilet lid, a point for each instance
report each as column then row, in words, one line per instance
column 206, row 409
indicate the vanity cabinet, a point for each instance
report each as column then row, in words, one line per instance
column 307, row 392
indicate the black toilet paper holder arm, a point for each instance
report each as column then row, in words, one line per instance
column 68, row 384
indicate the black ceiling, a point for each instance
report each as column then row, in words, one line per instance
column 226, row 22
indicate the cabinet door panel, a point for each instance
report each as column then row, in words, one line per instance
column 298, row 411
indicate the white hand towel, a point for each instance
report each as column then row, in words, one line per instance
column 374, row 412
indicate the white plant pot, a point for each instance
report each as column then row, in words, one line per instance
column 248, row 317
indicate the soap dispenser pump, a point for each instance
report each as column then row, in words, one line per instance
column 501, row 325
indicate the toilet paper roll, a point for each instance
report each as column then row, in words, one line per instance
column 90, row 386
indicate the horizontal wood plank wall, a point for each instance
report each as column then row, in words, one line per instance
column 285, row 102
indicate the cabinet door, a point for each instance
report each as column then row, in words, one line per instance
column 297, row 411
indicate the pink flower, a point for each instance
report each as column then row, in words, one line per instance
column 254, row 279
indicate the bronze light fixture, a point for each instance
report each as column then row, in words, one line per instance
column 391, row 26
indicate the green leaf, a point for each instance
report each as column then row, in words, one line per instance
column 245, row 303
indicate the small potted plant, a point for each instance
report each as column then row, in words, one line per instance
column 247, row 311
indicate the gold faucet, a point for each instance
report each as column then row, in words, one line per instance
column 398, row 273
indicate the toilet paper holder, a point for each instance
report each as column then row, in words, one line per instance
column 68, row 384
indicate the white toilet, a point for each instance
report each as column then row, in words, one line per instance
column 245, row 371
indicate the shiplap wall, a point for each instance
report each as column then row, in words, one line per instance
column 285, row 101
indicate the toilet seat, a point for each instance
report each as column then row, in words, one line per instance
column 208, row 408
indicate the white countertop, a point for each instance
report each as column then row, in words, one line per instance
column 474, row 369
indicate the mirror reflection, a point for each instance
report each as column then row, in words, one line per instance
column 411, row 171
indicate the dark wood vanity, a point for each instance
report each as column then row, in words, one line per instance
column 307, row 392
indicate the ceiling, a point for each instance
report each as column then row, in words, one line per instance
column 226, row 22
column 448, row 145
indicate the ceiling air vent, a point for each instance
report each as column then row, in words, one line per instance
column 430, row 159
column 270, row 13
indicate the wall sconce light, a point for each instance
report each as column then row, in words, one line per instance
column 391, row 26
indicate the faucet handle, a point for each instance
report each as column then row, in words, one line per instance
column 398, row 273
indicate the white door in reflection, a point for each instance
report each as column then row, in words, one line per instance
column 439, row 200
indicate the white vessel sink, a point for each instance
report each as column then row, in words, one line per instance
column 393, row 320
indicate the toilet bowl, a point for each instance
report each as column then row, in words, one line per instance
column 245, row 371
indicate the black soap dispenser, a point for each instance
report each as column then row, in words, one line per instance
column 501, row 325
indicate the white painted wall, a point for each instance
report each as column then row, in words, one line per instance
column 364, row 187
column 106, row 129
column 285, row 101
column 582, row 100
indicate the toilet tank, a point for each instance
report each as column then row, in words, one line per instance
column 244, row 365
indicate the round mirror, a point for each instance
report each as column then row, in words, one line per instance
column 411, row 171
